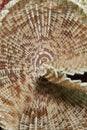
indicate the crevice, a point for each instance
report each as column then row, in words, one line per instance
column 0, row 128
column 82, row 77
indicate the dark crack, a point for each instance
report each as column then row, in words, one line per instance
column 82, row 77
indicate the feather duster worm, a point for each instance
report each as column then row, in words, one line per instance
column 42, row 44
